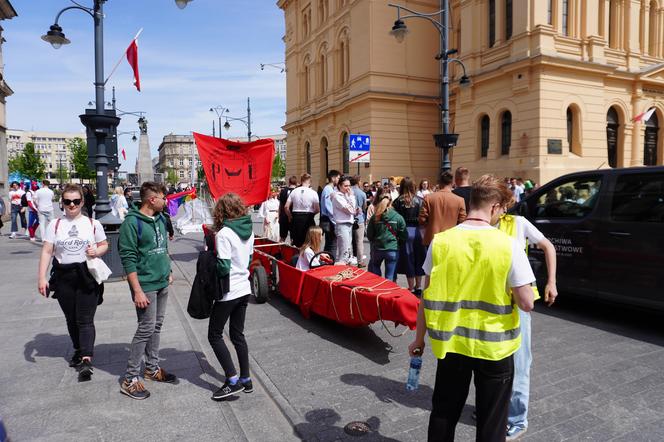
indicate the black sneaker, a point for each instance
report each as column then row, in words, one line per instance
column 76, row 360
column 248, row 386
column 227, row 390
column 417, row 292
column 134, row 389
column 85, row 371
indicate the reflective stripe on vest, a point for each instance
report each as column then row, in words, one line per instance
column 508, row 225
column 467, row 309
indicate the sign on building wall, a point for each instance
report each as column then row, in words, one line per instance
column 359, row 149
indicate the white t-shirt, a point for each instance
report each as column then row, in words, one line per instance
column 525, row 230
column 305, row 258
column 15, row 196
column 520, row 272
column 303, row 199
column 73, row 237
column 518, row 193
column 271, row 205
column 230, row 246
column 44, row 199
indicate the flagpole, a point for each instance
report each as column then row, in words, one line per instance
column 122, row 57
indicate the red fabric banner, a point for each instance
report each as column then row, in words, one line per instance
column 242, row 168
column 132, row 58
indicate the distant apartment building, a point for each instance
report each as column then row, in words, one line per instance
column 6, row 12
column 280, row 142
column 175, row 153
column 50, row 146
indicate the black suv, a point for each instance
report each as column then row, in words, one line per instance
column 608, row 230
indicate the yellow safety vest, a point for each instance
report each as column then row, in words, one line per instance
column 466, row 306
column 508, row 225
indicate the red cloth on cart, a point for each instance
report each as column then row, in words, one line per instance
column 397, row 305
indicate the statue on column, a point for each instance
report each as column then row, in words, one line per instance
column 143, row 125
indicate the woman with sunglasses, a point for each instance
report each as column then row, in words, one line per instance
column 71, row 240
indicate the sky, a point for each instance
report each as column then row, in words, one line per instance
column 190, row 60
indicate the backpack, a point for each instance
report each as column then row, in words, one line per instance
column 139, row 226
column 24, row 200
column 205, row 285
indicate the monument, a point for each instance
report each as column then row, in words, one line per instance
column 144, row 159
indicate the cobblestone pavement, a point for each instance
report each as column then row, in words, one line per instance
column 597, row 372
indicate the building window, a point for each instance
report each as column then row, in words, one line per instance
column 652, row 29
column 506, row 133
column 345, row 152
column 306, row 92
column 570, row 127
column 322, row 11
column 182, row 174
column 343, row 59
column 484, row 136
column 549, row 12
column 181, row 162
column 492, row 23
column 307, row 152
column 651, row 141
column 322, row 75
column 508, row 19
column 612, row 136
column 565, row 17
column 306, row 21
column 324, row 160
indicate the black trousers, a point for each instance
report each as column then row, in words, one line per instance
column 222, row 311
column 79, row 306
column 493, row 387
column 284, row 227
column 299, row 227
column 330, row 236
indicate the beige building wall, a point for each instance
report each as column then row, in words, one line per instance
column 600, row 54
column 6, row 12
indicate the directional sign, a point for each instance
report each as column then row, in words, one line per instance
column 360, row 148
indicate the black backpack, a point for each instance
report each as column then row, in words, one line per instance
column 24, row 200
column 207, row 286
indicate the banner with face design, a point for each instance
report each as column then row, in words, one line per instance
column 242, row 168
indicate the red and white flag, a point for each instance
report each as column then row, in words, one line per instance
column 644, row 116
column 124, row 154
column 132, row 58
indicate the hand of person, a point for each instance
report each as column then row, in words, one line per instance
column 42, row 286
column 416, row 345
column 141, row 300
column 91, row 252
column 170, row 237
column 550, row 293
column 170, row 279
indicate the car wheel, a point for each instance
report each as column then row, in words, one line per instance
column 259, row 285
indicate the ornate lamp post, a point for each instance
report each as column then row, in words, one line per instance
column 246, row 120
column 444, row 140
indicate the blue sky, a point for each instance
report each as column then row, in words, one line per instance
column 190, row 60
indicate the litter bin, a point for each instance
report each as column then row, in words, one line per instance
column 111, row 226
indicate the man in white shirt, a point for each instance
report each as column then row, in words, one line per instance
column 301, row 206
column 43, row 201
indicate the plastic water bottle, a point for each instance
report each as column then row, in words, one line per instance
column 414, row 372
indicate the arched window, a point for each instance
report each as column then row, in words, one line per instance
column 612, row 134
column 492, row 23
column 651, row 141
column 485, row 125
column 506, row 133
column 343, row 62
column 508, row 19
column 345, row 153
column 306, row 83
column 322, row 75
column 307, row 152
column 566, row 11
column 573, row 120
column 322, row 11
column 652, row 29
column 324, row 160
column 570, row 127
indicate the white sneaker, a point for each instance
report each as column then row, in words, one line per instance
column 33, row 239
column 12, row 235
column 352, row 261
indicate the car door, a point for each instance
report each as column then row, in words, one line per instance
column 629, row 264
column 565, row 212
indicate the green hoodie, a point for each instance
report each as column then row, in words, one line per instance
column 149, row 256
column 243, row 227
column 381, row 237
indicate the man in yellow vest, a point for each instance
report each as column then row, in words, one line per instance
column 471, row 317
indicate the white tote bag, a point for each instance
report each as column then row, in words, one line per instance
column 98, row 269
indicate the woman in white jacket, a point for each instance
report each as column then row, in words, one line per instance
column 344, row 210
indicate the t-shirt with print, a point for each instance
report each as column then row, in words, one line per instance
column 15, row 196
column 71, row 241
column 520, row 273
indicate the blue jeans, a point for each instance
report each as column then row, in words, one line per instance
column 518, row 413
column 391, row 257
column 16, row 215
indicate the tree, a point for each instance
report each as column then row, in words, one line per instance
column 28, row 163
column 171, row 176
column 63, row 174
column 79, row 158
column 278, row 167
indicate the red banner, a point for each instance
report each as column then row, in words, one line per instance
column 242, row 168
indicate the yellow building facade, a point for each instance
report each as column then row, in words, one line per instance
column 555, row 86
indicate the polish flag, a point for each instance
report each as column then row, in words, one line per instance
column 132, row 58
column 644, row 116
column 124, row 154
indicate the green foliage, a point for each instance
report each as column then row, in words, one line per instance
column 278, row 167
column 62, row 174
column 171, row 176
column 79, row 158
column 28, row 163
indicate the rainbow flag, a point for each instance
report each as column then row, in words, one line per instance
column 175, row 200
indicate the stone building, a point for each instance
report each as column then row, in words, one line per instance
column 6, row 12
column 280, row 142
column 175, row 152
column 555, row 86
column 50, row 146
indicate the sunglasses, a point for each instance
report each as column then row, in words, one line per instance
column 68, row 202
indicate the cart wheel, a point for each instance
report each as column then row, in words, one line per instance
column 274, row 276
column 259, row 285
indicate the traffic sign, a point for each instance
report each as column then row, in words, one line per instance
column 359, row 149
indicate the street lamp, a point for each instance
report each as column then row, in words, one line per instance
column 246, row 120
column 219, row 110
column 444, row 140
column 279, row 65
column 99, row 121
